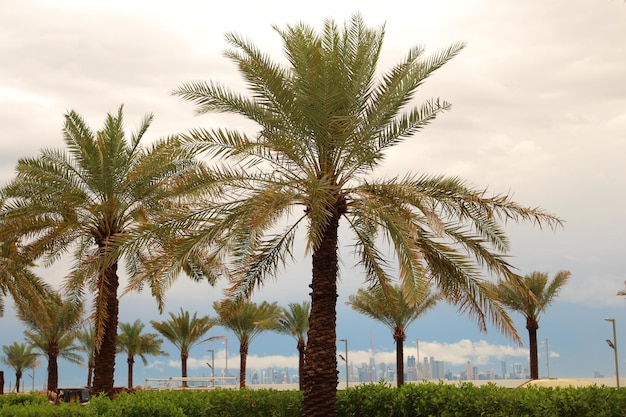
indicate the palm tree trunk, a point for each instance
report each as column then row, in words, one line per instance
column 104, row 358
column 532, row 326
column 90, row 367
column 243, row 359
column 131, row 362
column 53, row 368
column 18, row 377
column 301, row 350
column 320, row 369
column 399, row 360
column 183, row 366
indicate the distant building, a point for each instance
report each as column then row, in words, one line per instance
column 411, row 368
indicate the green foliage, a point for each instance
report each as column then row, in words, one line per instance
column 22, row 399
column 373, row 400
column 138, row 405
column 467, row 400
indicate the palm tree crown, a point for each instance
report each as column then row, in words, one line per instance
column 86, row 201
column 531, row 300
column 184, row 332
column 16, row 278
column 325, row 120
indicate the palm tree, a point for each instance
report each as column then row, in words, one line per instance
column 530, row 301
column 87, row 343
column 184, row 332
column 396, row 307
column 86, row 201
column 132, row 342
column 247, row 320
column 325, row 120
column 53, row 330
column 20, row 357
column 294, row 321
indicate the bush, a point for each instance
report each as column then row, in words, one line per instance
column 373, row 400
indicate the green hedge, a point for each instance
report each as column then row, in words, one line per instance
column 467, row 400
column 374, row 400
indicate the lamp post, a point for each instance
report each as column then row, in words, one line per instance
column 346, row 360
column 225, row 338
column 613, row 345
column 212, row 365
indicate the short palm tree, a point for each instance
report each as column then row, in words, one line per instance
column 184, row 332
column 530, row 301
column 247, row 320
column 294, row 321
column 52, row 330
column 85, row 201
column 20, row 357
column 86, row 339
column 326, row 117
column 132, row 342
column 396, row 307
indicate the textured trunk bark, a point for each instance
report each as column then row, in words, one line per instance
column 53, row 368
column 399, row 361
column 183, row 367
column 532, row 327
column 91, row 365
column 243, row 360
column 301, row 352
column 104, row 358
column 320, row 369
column 131, row 362
column 18, row 377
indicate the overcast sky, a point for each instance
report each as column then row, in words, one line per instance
column 538, row 110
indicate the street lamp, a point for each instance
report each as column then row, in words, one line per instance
column 613, row 345
column 225, row 338
column 212, row 365
column 346, row 360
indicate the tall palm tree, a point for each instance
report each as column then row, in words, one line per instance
column 86, row 339
column 294, row 321
column 531, row 300
column 396, row 307
column 85, row 201
column 325, row 119
column 247, row 320
column 20, row 357
column 184, row 332
column 132, row 342
column 52, row 330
